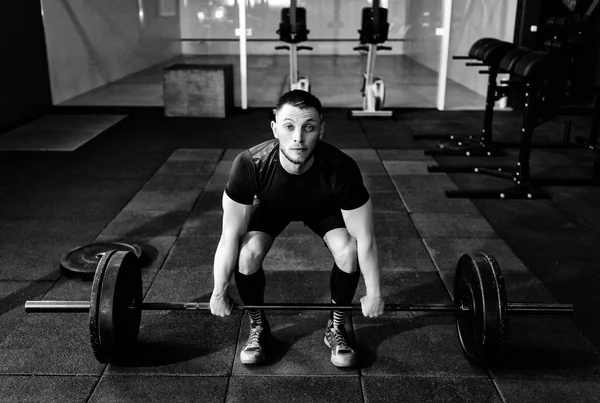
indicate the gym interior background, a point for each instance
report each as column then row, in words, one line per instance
column 113, row 53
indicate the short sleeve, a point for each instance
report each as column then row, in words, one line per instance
column 241, row 186
column 350, row 189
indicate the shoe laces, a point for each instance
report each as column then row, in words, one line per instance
column 255, row 331
column 340, row 338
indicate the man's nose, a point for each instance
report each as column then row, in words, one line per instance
column 298, row 136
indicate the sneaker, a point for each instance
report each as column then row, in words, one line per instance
column 254, row 350
column 342, row 355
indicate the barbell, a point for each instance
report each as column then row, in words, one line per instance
column 480, row 307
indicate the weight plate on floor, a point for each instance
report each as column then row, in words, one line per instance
column 82, row 261
column 119, row 311
column 479, row 286
column 94, row 306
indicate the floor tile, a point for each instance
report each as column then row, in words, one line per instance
column 182, row 343
column 394, row 225
column 203, row 224
column 192, row 253
column 404, row 254
column 34, row 260
column 321, row 389
column 408, row 288
column 549, row 391
column 446, row 252
column 50, row 344
column 194, row 154
column 184, row 286
column 69, row 200
column 13, row 295
column 209, row 201
column 371, row 167
column 409, row 167
column 543, row 347
column 167, row 183
column 428, row 389
column 404, row 155
column 47, row 230
column 378, row 184
column 298, row 254
column 442, row 225
column 410, row 344
column 187, row 167
column 425, row 194
column 126, row 388
column 297, row 229
column 521, row 285
column 526, row 214
column 361, row 154
column 145, row 224
column 114, row 166
column 71, row 389
column 217, row 182
column 387, row 203
column 160, row 200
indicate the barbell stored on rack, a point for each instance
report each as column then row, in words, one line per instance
column 480, row 307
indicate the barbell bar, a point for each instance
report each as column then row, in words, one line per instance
column 513, row 308
column 480, row 307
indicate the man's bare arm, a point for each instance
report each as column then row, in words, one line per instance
column 359, row 223
column 235, row 224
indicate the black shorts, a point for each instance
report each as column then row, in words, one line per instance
column 273, row 222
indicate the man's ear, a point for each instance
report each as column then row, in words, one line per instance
column 274, row 129
column 321, row 130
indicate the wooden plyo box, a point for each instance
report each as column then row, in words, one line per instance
column 201, row 90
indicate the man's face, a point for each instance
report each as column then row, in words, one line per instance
column 298, row 131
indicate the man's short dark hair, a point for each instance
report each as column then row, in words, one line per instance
column 300, row 99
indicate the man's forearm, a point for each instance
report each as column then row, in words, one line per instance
column 226, row 257
column 368, row 261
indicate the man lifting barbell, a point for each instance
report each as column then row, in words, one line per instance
column 282, row 173
column 296, row 177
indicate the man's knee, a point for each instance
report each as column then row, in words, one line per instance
column 343, row 248
column 253, row 249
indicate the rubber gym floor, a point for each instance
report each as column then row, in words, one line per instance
column 158, row 181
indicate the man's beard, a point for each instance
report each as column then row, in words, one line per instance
column 298, row 161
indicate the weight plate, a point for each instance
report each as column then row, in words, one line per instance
column 94, row 306
column 83, row 260
column 479, row 286
column 120, row 301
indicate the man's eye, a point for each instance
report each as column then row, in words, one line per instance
column 288, row 127
column 310, row 128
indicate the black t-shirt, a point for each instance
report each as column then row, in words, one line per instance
column 333, row 181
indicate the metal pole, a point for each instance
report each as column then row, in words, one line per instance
column 243, row 55
column 444, row 52
column 529, row 308
column 293, row 66
column 519, row 308
column 369, row 77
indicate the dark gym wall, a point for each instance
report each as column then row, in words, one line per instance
column 24, row 84
column 584, row 70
